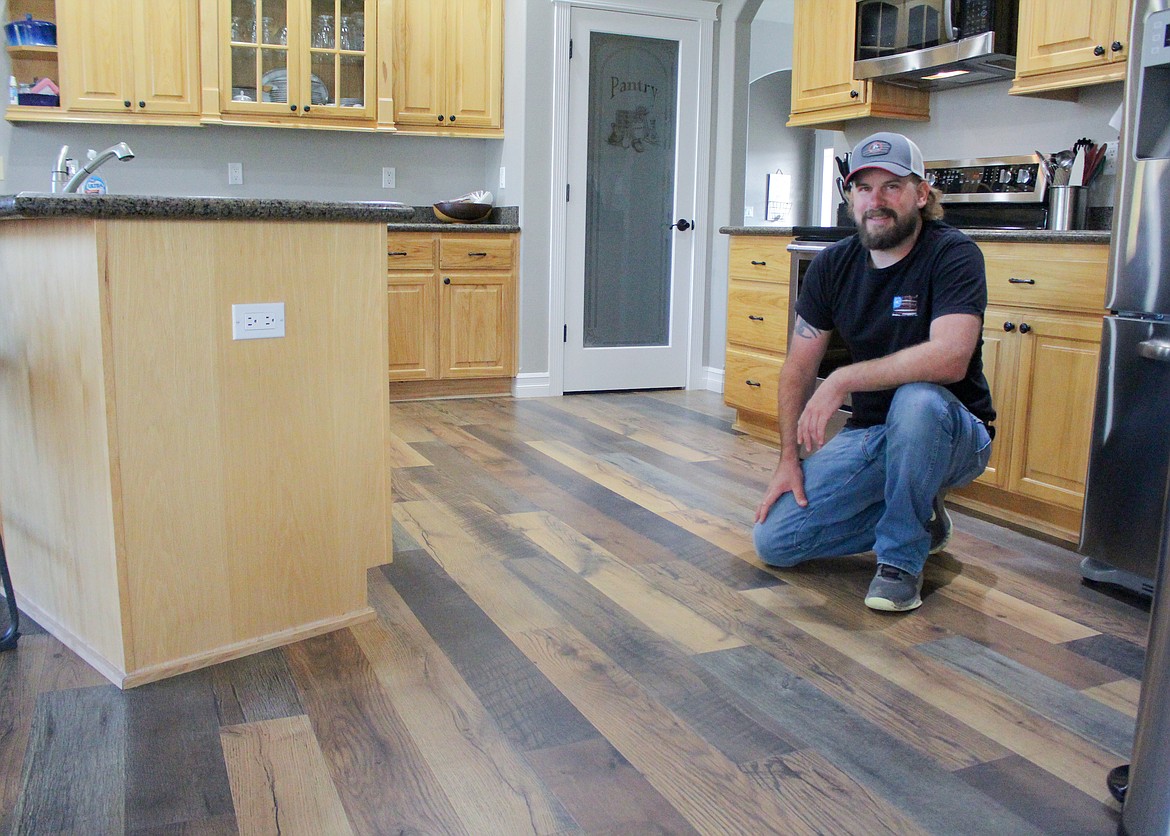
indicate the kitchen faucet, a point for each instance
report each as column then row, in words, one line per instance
column 121, row 151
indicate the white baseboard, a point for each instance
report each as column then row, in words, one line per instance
column 712, row 380
column 532, row 385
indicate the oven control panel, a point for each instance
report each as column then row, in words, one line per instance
column 989, row 180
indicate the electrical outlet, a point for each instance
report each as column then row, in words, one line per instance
column 235, row 174
column 501, row 177
column 749, row 211
column 1110, row 164
column 388, row 177
column 258, row 321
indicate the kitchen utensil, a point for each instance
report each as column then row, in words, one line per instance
column 1045, row 165
column 461, row 211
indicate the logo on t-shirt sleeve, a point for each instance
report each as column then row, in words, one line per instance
column 905, row 306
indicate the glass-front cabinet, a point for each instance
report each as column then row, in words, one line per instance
column 298, row 59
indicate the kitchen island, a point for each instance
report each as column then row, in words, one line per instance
column 173, row 497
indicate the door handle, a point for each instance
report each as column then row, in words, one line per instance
column 1155, row 350
column 682, row 225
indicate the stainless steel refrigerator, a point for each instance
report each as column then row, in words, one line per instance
column 1130, row 456
column 1126, row 503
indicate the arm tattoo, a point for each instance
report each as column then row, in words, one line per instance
column 803, row 329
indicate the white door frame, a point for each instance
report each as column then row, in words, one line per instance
column 705, row 14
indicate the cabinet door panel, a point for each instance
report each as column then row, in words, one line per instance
column 475, row 37
column 757, row 316
column 1000, row 358
column 419, row 70
column 759, row 258
column 478, row 332
column 822, row 72
column 752, row 382
column 1062, row 35
column 95, row 51
column 166, row 67
column 411, row 304
column 1054, row 408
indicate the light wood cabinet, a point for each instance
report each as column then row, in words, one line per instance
column 452, row 312
column 297, row 61
column 29, row 63
column 1065, row 45
column 448, row 66
column 1042, row 334
column 824, row 92
column 136, row 57
column 758, row 304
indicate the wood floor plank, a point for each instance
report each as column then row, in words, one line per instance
column 668, row 674
column 604, row 793
column 634, row 430
column 280, row 781
column 402, row 454
column 826, row 664
column 174, row 763
column 1109, row 729
column 529, row 711
column 824, row 793
column 383, row 781
column 688, row 772
column 1122, row 695
column 608, row 476
column 74, row 777
column 489, row 783
column 659, row 612
column 1035, row 795
column 969, row 704
column 254, row 688
column 62, row 669
column 868, row 752
column 1003, row 606
column 20, row 673
column 1117, row 653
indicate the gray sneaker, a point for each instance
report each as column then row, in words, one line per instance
column 894, row 590
column 939, row 525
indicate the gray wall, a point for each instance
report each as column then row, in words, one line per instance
column 343, row 165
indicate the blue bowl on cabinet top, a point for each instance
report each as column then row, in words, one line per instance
column 29, row 32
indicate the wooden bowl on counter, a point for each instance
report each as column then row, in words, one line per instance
column 461, row 212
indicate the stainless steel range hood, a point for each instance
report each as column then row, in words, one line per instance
column 961, row 63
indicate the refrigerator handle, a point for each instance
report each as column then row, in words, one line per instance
column 1155, row 350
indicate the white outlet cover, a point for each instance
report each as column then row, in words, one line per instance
column 258, row 321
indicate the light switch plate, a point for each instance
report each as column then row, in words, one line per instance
column 258, row 321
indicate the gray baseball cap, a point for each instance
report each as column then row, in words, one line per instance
column 888, row 151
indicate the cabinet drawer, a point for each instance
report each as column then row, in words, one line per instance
column 490, row 252
column 410, row 251
column 760, row 258
column 1046, row 276
column 757, row 316
column 752, row 382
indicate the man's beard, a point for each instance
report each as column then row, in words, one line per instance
column 890, row 236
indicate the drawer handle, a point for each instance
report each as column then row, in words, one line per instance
column 476, row 255
column 398, row 254
column 1014, row 280
column 755, row 318
column 760, row 263
column 751, row 382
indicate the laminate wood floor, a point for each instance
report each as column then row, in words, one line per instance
column 575, row 636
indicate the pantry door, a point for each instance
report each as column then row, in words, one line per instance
column 631, row 200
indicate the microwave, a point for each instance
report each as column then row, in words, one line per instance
column 935, row 44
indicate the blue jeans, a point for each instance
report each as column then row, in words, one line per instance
column 873, row 488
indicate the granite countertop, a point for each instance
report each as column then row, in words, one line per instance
column 1043, row 236
column 395, row 215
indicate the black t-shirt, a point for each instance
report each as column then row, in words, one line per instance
column 878, row 311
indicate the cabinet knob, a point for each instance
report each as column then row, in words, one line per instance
column 1098, row 50
column 1025, row 328
column 307, row 108
column 141, row 105
column 126, row 103
column 292, row 108
column 452, row 118
column 755, row 318
column 1009, row 326
column 1116, row 46
column 441, row 117
column 446, row 280
column 751, row 382
column 853, row 94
